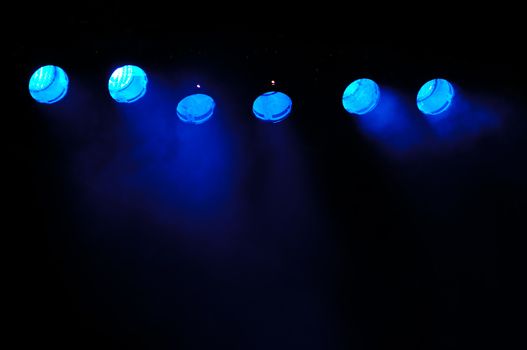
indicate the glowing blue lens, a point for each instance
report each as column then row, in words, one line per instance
column 361, row 96
column 435, row 96
column 49, row 84
column 127, row 84
column 196, row 109
column 272, row 106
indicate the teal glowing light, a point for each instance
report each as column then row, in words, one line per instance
column 361, row 96
column 272, row 106
column 49, row 84
column 127, row 84
column 435, row 96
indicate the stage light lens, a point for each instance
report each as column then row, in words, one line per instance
column 196, row 109
column 435, row 96
column 361, row 96
column 48, row 84
column 127, row 84
column 272, row 106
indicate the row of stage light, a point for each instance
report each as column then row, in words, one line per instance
column 127, row 84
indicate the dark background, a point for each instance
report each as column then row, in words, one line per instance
column 132, row 230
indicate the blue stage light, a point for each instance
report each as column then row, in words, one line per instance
column 196, row 109
column 361, row 96
column 272, row 106
column 48, row 84
column 127, row 84
column 435, row 96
